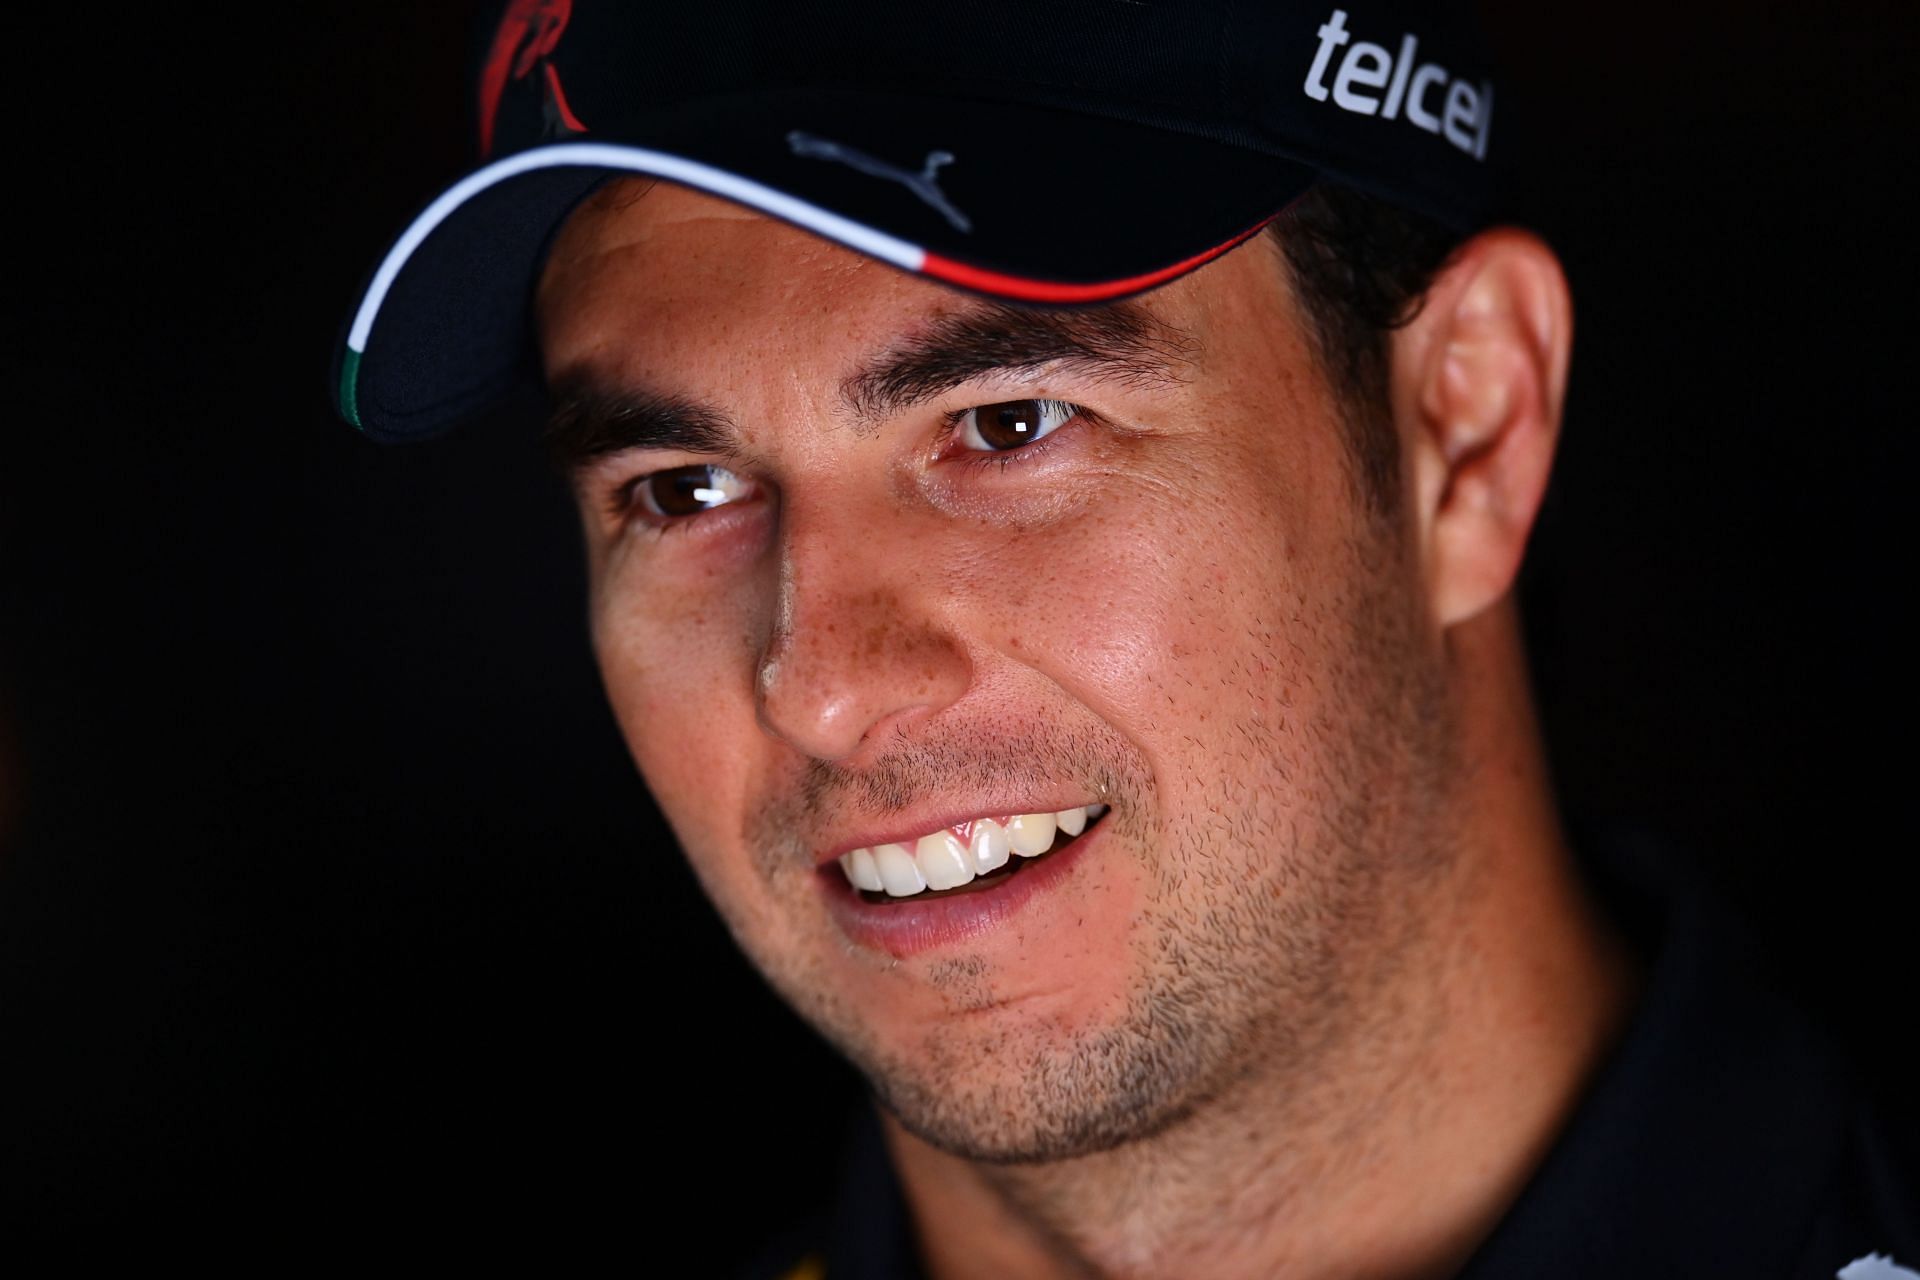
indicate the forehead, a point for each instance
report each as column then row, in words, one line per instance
column 649, row 275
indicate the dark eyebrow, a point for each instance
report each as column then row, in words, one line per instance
column 589, row 420
column 1120, row 342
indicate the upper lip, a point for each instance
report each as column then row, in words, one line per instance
column 907, row 828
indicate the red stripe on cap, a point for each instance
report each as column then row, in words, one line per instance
column 1057, row 291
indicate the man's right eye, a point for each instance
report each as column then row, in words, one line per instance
column 679, row 492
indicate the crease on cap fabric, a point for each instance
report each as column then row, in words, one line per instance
column 611, row 159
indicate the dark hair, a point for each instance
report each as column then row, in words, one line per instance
column 1361, row 268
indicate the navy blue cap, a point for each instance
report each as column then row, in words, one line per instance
column 1052, row 152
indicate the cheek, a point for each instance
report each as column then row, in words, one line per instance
column 676, row 675
column 1163, row 605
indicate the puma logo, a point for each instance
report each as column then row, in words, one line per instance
column 921, row 183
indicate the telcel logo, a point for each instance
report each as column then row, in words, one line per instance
column 1465, row 112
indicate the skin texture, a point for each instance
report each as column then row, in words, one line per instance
column 1280, row 1021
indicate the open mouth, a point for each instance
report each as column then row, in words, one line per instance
column 970, row 858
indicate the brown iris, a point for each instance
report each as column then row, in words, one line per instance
column 1011, row 423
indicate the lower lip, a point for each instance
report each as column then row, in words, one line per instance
column 903, row 929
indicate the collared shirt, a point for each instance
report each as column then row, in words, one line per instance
column 1724, row 1135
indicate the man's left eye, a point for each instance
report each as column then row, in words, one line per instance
column 997, row 428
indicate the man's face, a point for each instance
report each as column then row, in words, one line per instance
column 882, row 616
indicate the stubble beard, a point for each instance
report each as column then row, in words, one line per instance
column 1269, row 925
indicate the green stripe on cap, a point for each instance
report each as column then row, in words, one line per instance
column 349, row 375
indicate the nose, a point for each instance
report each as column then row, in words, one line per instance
column 857, row 646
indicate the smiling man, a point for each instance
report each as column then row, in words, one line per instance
column 1057, row 809
column 1052, row 561
column 1060, row 728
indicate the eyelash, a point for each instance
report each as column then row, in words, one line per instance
column 624, row 498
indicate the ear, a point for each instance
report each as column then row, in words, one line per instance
column 1479, row 379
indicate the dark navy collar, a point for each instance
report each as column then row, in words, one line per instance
column 1706, row 1139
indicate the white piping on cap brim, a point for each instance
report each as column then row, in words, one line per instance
column 607, row 155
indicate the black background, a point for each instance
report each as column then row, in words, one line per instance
column 331, row 910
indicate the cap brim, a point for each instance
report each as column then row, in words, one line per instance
column 1030, row 204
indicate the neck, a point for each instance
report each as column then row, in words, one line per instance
column 1414, row 1135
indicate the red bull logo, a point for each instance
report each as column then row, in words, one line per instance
column 522, row 48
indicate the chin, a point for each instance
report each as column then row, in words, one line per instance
column 1118, row 1086
column 1022, row 1134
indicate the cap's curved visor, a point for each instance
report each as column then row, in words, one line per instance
column 1026, row 203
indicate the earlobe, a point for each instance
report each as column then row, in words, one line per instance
column 1480, row 379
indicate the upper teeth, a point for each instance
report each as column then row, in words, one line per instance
column 942, row 860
